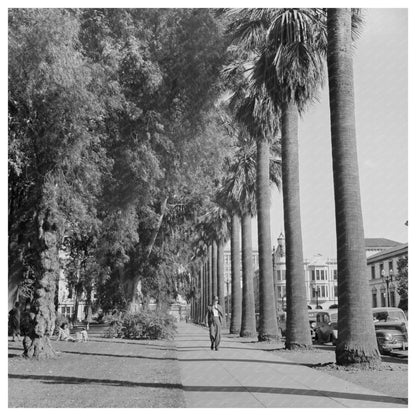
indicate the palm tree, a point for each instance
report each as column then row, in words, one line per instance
column 220, row 272
column 236, row 300
column 214, row 267
column 216, row 222
column 210, row 275
column 288, row 49
column 238, row 190
column 238, row 194
column 254, row 110
column 291, row 66
column 200, row 251
column 356, row 339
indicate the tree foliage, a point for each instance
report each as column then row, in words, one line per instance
column 113, row 142
column 403, row 283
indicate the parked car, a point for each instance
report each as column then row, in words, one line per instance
column 281, row 322
column 312, row 321
column 326, row 329
column 391, row 329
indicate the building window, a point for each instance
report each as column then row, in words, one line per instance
column 381, row 265
column 373, row 272
column 335, row 274
column 313, row 274
column 374, row 295
column 279, row 275
column 390, row 266
column 383, row 299
column 283, row 274
column 335, row 291
column 392, row 299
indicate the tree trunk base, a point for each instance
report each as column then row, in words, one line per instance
column 268, row 337
column 294, row 346
column 357, row 356
column 38, row 348
column 234, row 331
column 247, row 334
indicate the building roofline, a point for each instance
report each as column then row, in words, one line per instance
column 390, row 252
column 377, row 242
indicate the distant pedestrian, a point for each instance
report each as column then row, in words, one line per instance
column 64, row 334
column 14, row 320
column 84, row 335
column 213, row 319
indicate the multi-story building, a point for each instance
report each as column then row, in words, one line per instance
column 321, row 278
column 375, row 245
column 382, row 275
column 321, row 274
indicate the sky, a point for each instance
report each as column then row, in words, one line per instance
column 381, row 89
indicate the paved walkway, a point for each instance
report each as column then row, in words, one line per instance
column 240, row 375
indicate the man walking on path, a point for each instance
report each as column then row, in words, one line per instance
column 214, row 319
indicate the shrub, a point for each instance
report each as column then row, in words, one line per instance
column 115, row 329
column 149, row 325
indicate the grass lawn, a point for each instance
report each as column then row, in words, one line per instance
column 100, row 373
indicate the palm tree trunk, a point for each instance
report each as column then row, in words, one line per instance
column 206, row 300
column 210, row 272
column 267, row 319
column 235, row 326
column 214, row 270
column 201, row 294
column 297, row 324
column 356, row 337
column 248, row 319
column 36, row 343
column 220, row 274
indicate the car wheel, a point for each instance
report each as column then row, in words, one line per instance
column 318, row 336
column 381, row 349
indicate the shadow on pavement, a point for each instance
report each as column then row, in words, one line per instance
column 79, row 380
column 143, row 357
column 222, row 389
column 230, row 360
column 14, row 355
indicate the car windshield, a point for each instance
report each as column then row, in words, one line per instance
column 385, row 316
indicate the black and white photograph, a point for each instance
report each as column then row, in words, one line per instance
column 208, row 205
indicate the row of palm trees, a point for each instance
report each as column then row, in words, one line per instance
column 278, row 67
